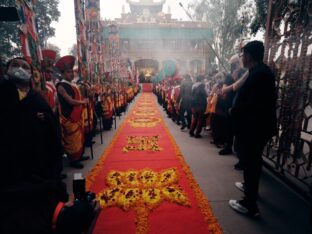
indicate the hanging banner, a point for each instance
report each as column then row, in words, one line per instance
column 30, row 40
column 94, row 39
column 114, row 51
column 92, row 10
column 82, row 44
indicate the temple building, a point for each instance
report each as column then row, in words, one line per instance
column 148, row 37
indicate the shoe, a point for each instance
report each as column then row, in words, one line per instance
column 76, row 165
column 238, row 166
column 198, row 136
column 240, row 186
column 225, row 151
column 191, row 134
column 243, row 208
column 182, row 128
column 84, row 158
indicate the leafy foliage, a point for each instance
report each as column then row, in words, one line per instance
column 46, row 12
column 225, row 20
column 260, row 17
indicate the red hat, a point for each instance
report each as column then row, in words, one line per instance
column 66, row 62
column 177, row 78
column 48, row 54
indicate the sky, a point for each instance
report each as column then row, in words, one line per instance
column 65, row 32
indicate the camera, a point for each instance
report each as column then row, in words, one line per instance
column 89, row 196
column 80, row 190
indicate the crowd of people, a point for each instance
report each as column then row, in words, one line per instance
column 238, row 108
column 39, row 126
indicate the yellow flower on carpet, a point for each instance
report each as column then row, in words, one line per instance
column 144, row 113
column 167, row 177
column 148, row 178
column 145, row 109
column 144, row 122
column 131, row 178
column 129, row 198
column 152, row 197
column 114, row 179
column 109, row 197
column 142, row 190
column 175, row 194
column 142, row 143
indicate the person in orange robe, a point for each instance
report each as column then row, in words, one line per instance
column 87, row 111
column 107, row 108
column 48, row 61
column 71, row 112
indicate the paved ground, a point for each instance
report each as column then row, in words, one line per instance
column 282, row 210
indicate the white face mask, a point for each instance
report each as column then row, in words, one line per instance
column 19, row 73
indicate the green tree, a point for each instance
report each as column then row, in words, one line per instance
column 259, row 20
column 227, row 22
column 9, row 35
column 46, row 12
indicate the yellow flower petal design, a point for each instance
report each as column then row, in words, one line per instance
column 109, row 197
column 129, row 198
column 152, row 197
column 114, row 178
column 131, row 178
column 142, row 143
column 167, row 177
column 176, row 195
column 148, row 178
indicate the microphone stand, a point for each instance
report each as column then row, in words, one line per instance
column 100, row 118
column 206, row 40
column 114, row 109
column 89, row 124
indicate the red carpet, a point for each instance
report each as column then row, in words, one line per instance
column 147, row 87
column 143, row 182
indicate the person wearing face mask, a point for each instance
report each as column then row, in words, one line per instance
column 31, row 154
column 71, row 112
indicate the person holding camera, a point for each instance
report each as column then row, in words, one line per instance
column 33, row 198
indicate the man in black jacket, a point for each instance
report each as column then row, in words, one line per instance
column 254, row 117
column 199, row 103
column 184, row 99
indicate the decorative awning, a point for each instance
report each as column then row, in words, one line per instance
column 148, row 33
